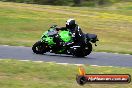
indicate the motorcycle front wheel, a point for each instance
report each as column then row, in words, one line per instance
column 39, row 48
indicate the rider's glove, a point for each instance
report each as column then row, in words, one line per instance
column 73, row 34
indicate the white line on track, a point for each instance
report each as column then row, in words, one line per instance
column 100, row 52
column 59, row 63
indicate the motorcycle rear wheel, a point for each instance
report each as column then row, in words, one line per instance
column 82, row 52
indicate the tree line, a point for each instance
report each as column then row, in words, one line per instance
column 67, row 2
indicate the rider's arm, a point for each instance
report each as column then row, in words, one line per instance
column 61, row 28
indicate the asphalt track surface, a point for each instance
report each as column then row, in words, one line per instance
column 95, row 58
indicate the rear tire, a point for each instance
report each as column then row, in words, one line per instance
column 89, row 49
column 83, row 52
column 39, row 48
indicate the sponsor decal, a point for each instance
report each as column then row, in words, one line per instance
column 83, row 78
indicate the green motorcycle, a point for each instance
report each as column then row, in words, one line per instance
column 47, row 43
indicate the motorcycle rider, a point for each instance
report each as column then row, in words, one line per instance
column 76, row 32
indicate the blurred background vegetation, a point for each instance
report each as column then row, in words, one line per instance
column 90, row 3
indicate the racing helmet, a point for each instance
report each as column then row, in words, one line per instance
column 70, row 23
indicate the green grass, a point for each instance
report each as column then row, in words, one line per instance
column 18, row 74
column 23, row 24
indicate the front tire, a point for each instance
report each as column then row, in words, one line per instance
column 39, row 48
